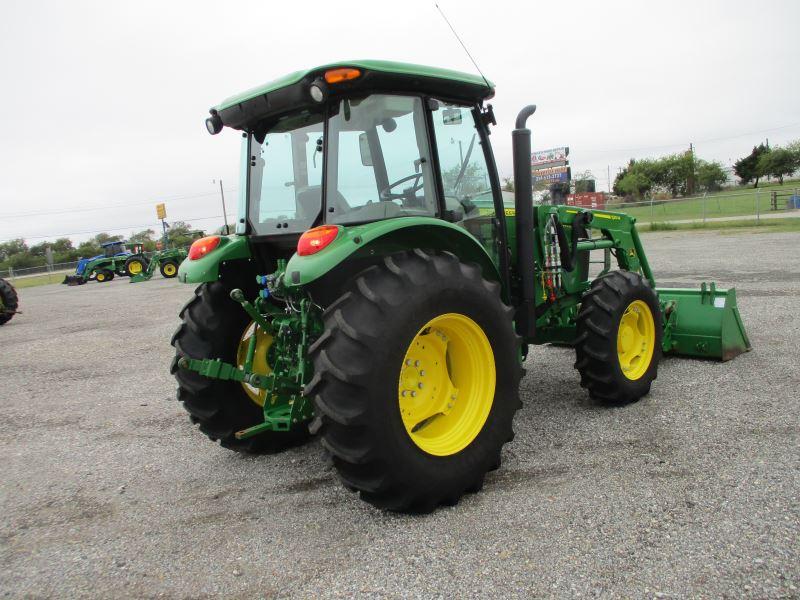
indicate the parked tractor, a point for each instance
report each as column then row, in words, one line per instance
column 103, row 267
column 9, row 301
column 381, row 294
column 143, row 267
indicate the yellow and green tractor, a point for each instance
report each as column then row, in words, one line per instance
column 379, row 292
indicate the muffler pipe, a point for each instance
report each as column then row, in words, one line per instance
column 525, row 318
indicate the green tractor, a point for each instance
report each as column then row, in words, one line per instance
column 104, row 267
column 9, row 302
column 167, row 260
column 143, row 267
column 379, row 292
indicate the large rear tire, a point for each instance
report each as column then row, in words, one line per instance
column 416, row 381
column 618, row 344
column 212, row 327
column 9, row 301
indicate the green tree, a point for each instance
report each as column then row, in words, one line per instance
column 180, row 234
column 146, row 238
column 710, row 175
column 12, row 247
column 508, row 184
column 633, row 184
column 747, row 168
column 778, row 162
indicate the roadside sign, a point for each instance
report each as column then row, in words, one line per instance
column 161, row 211
column 540, row 157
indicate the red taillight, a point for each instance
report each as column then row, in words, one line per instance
column 203, row 246
column 314, row 240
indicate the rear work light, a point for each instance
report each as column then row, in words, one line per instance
column 314, row 240
column 203, row 246
column 343, row 74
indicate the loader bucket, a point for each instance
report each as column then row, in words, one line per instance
column 73, row 280
column 703, row 323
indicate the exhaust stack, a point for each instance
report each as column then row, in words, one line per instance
column 523, row 201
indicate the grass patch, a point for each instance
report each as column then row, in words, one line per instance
column 37, row 280
column 762, row 226
column 660, row 226
column 726, row 203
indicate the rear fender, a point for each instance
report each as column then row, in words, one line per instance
column 207, row 268
column 358, row 244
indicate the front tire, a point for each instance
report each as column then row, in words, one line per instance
column 212, row 327
column 169, row 269
column 619, row 332
column 9, row 301
column 135, row 265
column 420, row 323
column 104, row 276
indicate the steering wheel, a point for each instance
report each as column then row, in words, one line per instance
column 408, row 193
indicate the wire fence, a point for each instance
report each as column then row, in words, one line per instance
column 743, row 205
column 53, row 273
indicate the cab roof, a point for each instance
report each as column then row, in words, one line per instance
column 290, row 92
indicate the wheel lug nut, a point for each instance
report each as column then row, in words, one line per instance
column 416, row 363
column 408, row 362
column 413, row 394
column 419, row 385
column 422, row 373
column 403, row 393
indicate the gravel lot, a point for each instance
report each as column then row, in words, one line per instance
column 107, row 491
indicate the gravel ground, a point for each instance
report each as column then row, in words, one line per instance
column 107, row 491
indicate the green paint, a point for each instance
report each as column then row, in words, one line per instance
column 704, row 323
column 382, row 237
column 206, row 269
column 384, row 66
column 156, row 259
column 292, row 330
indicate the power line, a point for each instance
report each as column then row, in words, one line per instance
column 682, row 144
column 107, row 229
column 109, row 207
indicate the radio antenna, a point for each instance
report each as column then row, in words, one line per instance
column 463, row 45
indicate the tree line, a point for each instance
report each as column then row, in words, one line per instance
column 17, row 254
column 685, row 175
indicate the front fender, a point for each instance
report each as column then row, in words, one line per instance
column 206, row 269
column 385, row 237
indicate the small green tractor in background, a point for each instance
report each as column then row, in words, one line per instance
column 143, row 266
column 104, row 267
column 9, row 301
column 379, row 292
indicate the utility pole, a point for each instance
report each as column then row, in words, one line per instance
column 224, row 213
column 608, row 174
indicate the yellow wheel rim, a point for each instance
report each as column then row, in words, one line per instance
column 636, row 339
column 135, row 268
column 100, row 277
column 260, row 363
column 447, row 384
column 169, row 269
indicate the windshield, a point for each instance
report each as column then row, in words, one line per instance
column 286, row 176
column 378, row 166
column 378, row 160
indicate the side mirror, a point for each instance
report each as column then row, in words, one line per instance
column 363, row 146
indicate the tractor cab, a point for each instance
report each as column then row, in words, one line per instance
column 114, row 249
column 365, row 143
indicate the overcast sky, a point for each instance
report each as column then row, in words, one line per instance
column 104, row 102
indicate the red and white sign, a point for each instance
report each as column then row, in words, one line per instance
column 541, row 157
column 588, row 200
